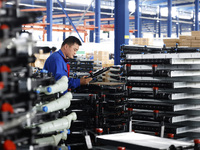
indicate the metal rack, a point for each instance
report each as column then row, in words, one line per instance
column 162, row 89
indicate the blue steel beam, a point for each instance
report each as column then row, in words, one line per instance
column 69, row 20
column 155, row 2
column 189, row 8
column 64, row 18
column 169, row 19
column 137, row 19
column 180, row 4
column 97, row 20
column 196, row 15
column 49, row 6
column 121, row 27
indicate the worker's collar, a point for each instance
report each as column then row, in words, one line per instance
column 61, row 54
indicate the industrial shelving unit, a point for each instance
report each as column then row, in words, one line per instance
column 163, row 93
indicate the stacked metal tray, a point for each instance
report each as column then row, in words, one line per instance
column 163, row 90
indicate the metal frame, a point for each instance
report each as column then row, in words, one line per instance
column 69, row 20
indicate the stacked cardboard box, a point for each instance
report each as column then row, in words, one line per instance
column 142, row 41
column 108, row 63
column 102, row 56
column 170, row 42
column 195, row 42
column 187, row 41
column 40, row 59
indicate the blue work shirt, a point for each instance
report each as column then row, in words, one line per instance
column 57, row 64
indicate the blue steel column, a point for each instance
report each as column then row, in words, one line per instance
column 159, row 23
column 49, row 6
column 155, row 28
column 97, row 20
column 177, row 25
column 169, row 20
column 91, row 23
column 180, row 29
column 121, row 27
column 137, row 19
column 193, row 23
column 196, row 15
column 108, row 31
column 140, row 26
column 64, row 18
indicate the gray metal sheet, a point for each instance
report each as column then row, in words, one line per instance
column 164, row 56
column 193, row 78
column 136, row 140
column 166, row 67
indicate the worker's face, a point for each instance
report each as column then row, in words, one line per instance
column 71, row 50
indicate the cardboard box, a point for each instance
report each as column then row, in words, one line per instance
column 195, row 45
column 170, row 40
column 170, row 44
column 188, row 44
column 143, row 41
column 195, row 41
column 183, row 36
column 190, row 38
column 195, row 33
column 197, row 37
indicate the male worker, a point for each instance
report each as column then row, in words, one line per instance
column 57, row 63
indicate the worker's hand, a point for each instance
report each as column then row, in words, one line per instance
column 84, row 80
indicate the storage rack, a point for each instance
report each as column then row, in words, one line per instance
column 163, row 90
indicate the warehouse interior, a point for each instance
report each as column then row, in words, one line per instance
column 132, row 82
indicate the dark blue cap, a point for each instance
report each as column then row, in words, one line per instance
column 49, row 89
column 45, row 108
